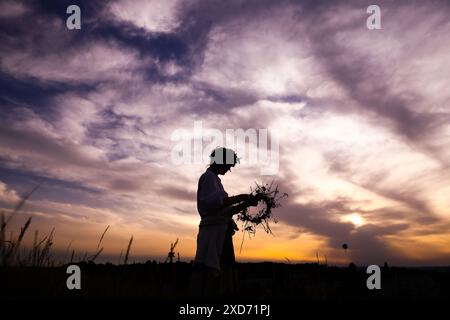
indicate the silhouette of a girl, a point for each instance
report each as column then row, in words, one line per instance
column 215, row 252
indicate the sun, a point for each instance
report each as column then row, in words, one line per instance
column 354, row 218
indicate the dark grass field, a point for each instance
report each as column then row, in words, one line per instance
column 258, row 281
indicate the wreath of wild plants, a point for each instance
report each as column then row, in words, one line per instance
column 270, row 197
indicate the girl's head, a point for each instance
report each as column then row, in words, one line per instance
column 222, row 160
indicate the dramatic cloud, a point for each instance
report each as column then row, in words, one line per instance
column 153, row 16
column 7, row 196
column 362, row 119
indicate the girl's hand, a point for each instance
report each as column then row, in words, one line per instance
column 244, row 197
column 253, row 202
column 259, row 196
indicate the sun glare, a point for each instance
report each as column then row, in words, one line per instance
column 354, row 218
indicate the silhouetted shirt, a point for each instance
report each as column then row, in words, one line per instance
column 214, row 220
column 210, row 198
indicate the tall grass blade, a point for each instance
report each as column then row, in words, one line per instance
column 128, row 251
column 101, row 238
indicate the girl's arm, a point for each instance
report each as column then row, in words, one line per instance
column 252, row 201
column 229, row 201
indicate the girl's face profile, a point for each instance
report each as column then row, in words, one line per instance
column 224, row 168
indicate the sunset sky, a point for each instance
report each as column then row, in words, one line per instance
column 362, row 117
